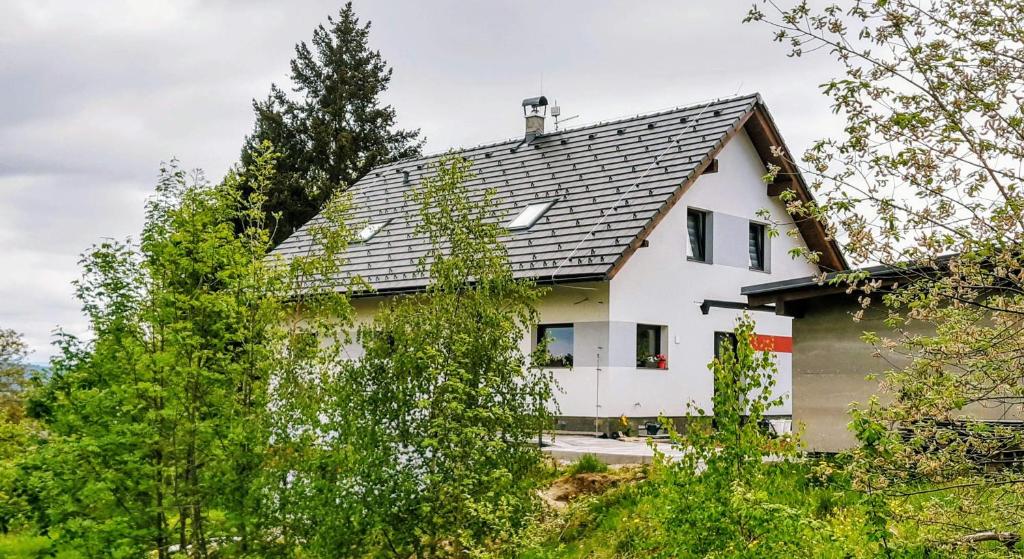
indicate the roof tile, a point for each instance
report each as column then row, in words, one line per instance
column 610, row 180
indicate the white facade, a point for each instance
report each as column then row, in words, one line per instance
column 659, row 286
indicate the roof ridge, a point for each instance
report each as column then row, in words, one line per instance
column 659, row 112
column 594, row 124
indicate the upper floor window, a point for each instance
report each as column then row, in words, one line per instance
column 755, row 246
column 697, row 229
column 560, row 344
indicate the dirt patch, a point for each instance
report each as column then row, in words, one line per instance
column 564, row 489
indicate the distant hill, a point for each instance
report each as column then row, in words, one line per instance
column 32, row 369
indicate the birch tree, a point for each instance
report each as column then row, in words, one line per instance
column 162, row 421
column 926, row 178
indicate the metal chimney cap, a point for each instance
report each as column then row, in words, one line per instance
column 535, row 101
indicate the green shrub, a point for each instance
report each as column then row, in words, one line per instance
column 587, row 464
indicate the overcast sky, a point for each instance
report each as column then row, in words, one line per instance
column 94, row 95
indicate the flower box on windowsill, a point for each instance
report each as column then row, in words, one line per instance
column 653, row 362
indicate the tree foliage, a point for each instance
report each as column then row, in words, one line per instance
column 19, row 435
column 452, row 405
column 926, row 179
column 14, row 377
column 715, row 501
column 160, row 423
column 334, row 130
column 218, row 407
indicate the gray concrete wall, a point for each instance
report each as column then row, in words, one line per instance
column 831, row 365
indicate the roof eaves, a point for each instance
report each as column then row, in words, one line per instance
column 834, row 251
column 419, row 288
column 830, row 280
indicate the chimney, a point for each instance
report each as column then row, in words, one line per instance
column 534, row 116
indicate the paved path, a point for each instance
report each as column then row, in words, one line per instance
column 609, row 451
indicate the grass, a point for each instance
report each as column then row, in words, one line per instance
column 600, row 527
column 628, row 521
column 26, row 546
column 587, row 464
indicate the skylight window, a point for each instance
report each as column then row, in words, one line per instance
column 530, row 215
column 372, row 229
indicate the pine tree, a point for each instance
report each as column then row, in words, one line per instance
column 334, row 130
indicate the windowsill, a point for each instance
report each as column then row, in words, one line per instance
column 692, row 259
column 666, row 369
column 762, row 270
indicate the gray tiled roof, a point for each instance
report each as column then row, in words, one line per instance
column 591, row 170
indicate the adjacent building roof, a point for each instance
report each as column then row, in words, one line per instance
column 789, row 296
column 612, row 182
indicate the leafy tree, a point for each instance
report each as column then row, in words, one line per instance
column 926, row 178
column 164, row 417
column 451, row 406
column 13, row 375
column 19, row 435
column 337, row 128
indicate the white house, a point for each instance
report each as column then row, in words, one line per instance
column 646, row 229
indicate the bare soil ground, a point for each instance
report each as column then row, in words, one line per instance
column 564, row 489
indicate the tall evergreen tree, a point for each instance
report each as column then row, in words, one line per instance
column 334, row 130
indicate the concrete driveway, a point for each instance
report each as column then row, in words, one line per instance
column 609, row 451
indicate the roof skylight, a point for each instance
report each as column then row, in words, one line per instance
column 530, row 215
column 372, row 229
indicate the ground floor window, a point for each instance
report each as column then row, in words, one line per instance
column 649, row 353
column 560, row 344
column 724, row 341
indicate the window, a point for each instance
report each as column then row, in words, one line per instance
column 756, row 246
column 648, row 347
column 560, row 338
column 696, row 227
column 530, row 215
column 723, row 341
column 372, row 229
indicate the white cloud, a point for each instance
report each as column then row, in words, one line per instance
column 98, row 93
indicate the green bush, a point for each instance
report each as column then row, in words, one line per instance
column 587, row 464
column 735, row 492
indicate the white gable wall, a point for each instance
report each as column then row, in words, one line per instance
column 658, row 286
